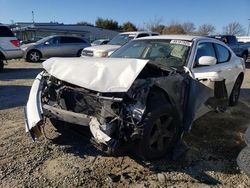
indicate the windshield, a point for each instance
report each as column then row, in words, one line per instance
column 170, row 53
column 121, row 39
column 97, row 42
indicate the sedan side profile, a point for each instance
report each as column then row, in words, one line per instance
column 54, row 46
column 143, row 98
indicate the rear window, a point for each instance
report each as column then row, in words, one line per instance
column 5, row 32
column 223, row 54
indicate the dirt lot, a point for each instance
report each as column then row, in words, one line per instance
column 69, row 160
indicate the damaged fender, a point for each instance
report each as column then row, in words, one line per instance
column 33, row 111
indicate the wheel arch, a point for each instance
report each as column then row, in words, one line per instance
column 31, row 50
column 2, row 56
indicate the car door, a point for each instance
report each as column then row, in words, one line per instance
column 216, row 77
column 70, row 46
column 51, row 48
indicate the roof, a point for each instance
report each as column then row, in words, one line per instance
column 176, row 37
column 137, row 32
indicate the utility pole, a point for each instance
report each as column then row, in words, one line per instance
column 33, row 17
column 248, row 27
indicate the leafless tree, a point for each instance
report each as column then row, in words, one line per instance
column 234, row 28
column 154, row 23
column 174, row 28
column 206, row 29
column 188, row 27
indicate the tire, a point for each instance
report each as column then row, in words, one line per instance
column 79, row 53
column 244, row 57
column 34, row 56
column 161, row 131
column 235, row 94
column 1, row 65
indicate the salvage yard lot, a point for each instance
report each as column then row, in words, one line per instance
column 69, row 159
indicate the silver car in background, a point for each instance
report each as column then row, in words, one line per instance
column 54, row 46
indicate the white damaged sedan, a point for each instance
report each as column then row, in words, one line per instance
column 143, row 98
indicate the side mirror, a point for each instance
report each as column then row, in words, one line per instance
column 46, row 43
column 207, row 61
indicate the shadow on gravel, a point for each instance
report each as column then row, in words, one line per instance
column 76, row 140
column 13, row 96
column 214, row 144
column 19, row 73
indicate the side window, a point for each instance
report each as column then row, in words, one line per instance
column 66, row 40
column 71, row 40
column 54, row 41
column 204, row 49
column 5, row 32
column 154, row 34
column 223, row 54
column 142, row 35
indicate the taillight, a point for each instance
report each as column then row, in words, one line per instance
column 15, row 43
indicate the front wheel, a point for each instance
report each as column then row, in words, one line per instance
column 161, row 130
column 34, row 56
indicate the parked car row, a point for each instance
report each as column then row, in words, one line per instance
column 114, row 44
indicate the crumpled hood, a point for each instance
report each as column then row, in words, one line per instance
column 103, row 48
column 98, row 74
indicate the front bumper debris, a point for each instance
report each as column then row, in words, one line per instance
column 33, row 110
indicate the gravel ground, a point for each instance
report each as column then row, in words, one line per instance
column 67, row 159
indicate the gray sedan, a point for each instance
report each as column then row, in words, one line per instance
column 54, row 46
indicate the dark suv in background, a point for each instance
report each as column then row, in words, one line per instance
column 241, row 49
column 9, row 46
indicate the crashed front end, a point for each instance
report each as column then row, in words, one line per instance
column 113, row 118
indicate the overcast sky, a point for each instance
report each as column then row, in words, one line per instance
column 216, row 12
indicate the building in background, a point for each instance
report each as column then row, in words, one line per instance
column 30, row 32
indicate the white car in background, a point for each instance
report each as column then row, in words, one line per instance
column 99, row 42
column 142, row 98
column 118, row 41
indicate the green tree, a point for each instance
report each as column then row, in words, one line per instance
column 84, row 23
column 107, row 24
column 128, row 26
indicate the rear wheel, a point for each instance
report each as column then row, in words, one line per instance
column 1, row 65
column 161, row 129
column 235, row 94
column 34, row 56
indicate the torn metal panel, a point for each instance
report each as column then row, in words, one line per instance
column 64, row 115
column 196, row 94
column 97, row 74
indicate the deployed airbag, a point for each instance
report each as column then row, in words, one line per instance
column 97, row 74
